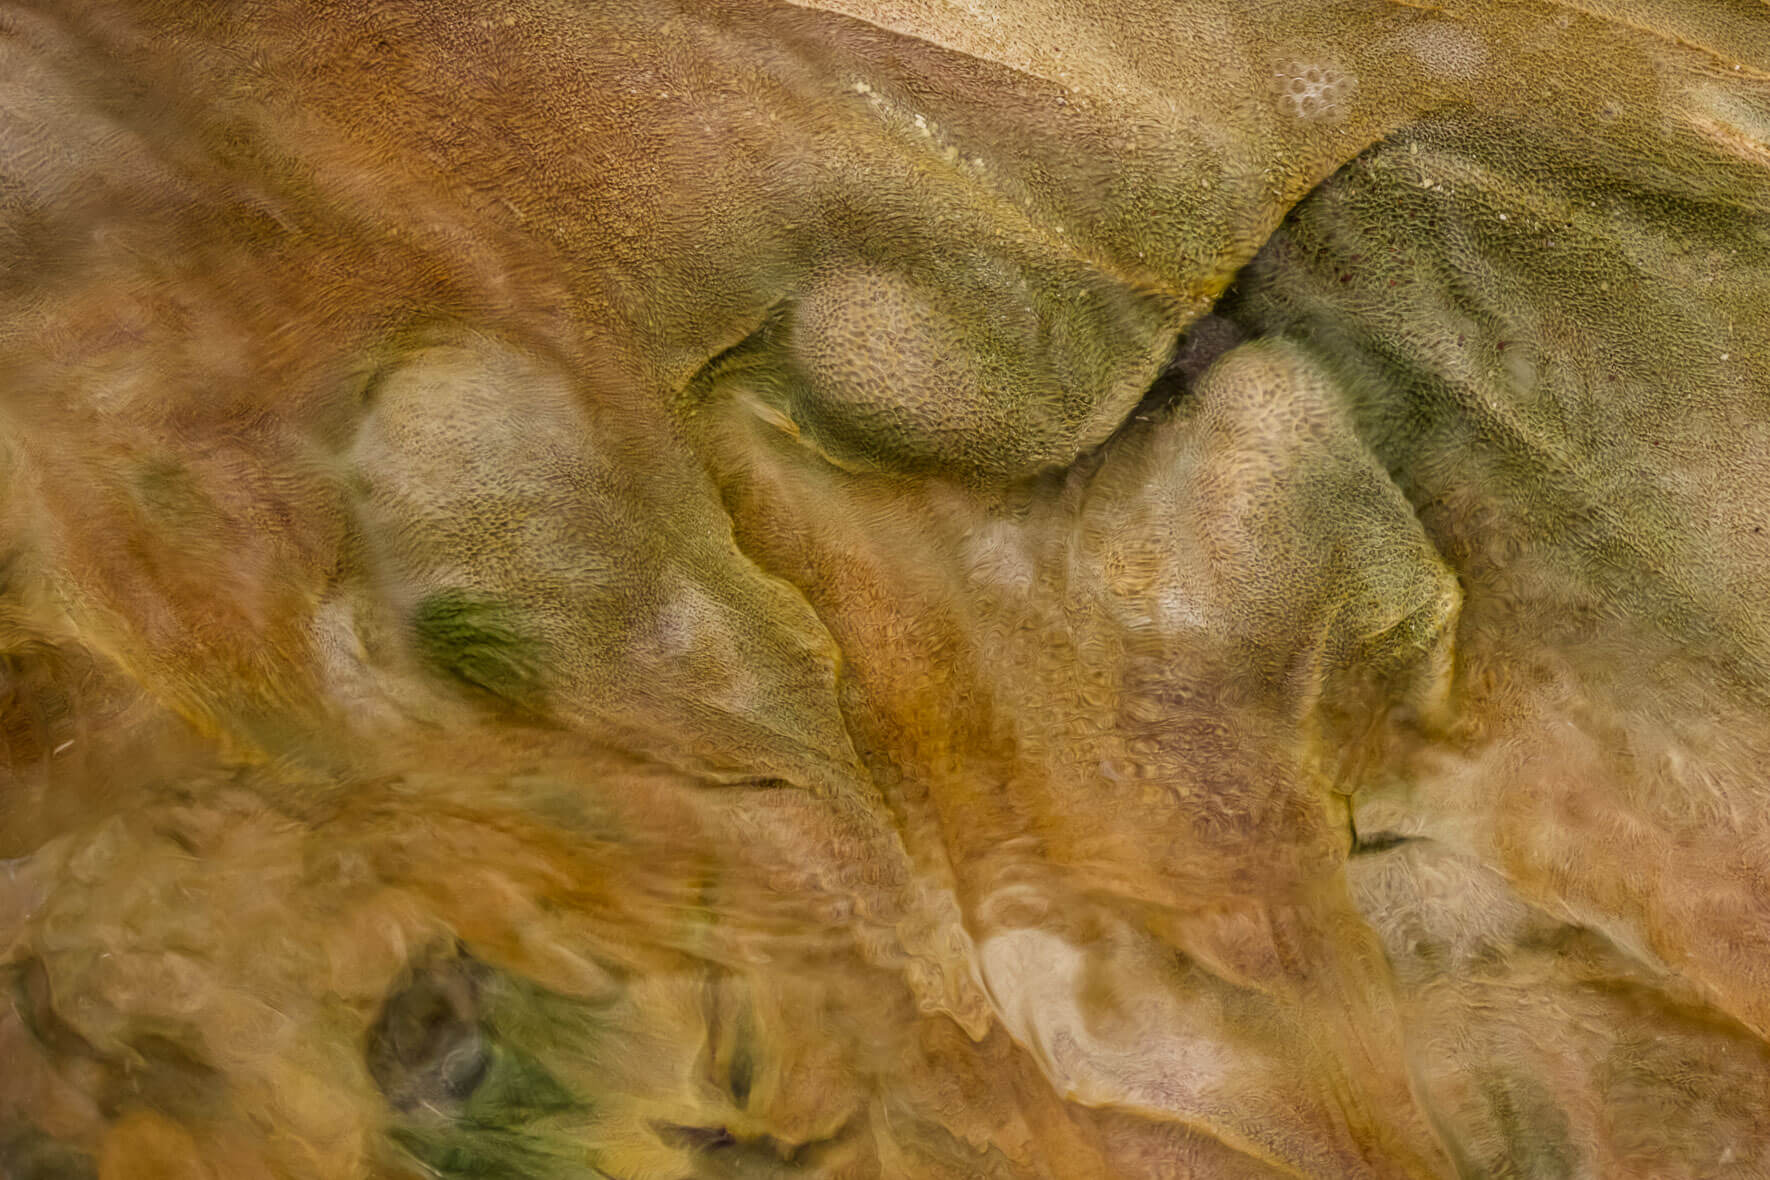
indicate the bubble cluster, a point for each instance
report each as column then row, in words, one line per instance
column 1315, row 91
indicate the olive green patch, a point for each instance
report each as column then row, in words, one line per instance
column 28, row 1154
column 518, row 1086
column 521, row 1121
column 170, row 493
column 482, row 643
column 1533, row 1129
column 496, row 1134
column 483, row 1151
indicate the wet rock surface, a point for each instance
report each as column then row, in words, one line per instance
column 1085, row 590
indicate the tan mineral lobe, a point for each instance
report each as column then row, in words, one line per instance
column 886, row 588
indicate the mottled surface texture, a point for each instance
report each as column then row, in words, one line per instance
column 884, row 588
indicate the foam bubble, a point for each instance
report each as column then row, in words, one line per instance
column 1314, row 91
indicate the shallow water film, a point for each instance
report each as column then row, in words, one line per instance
column 656, row 589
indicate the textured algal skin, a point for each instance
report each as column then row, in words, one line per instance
column 884, row 589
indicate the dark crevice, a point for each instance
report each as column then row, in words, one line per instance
column 694, row 1138
column 764, row 1151
column 1195, row 350
column 1375, row 842
column 1380, row 842
column 742, row 1076
column 752, row 347
column 426, row 1047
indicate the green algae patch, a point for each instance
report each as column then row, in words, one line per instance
column 507, row 1128
column 1531, row 1128
column 526, row 1118
column 484, row 644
